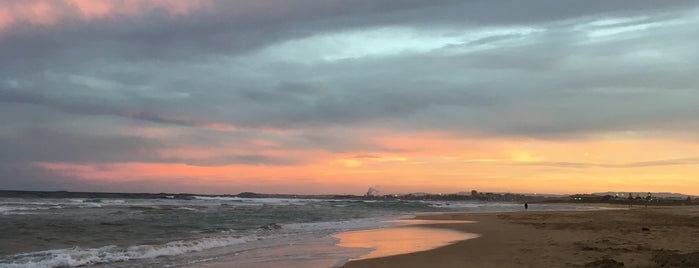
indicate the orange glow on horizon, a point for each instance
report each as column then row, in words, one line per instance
column 436, row 164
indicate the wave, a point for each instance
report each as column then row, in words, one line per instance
column 27, row 209
column 20, row 207
column 106, row 201
column 12, row 209
column 259, row 201
column 221, row 198
column 290, row 234
column 88, row 256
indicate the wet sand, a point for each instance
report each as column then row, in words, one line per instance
column 400, row 240
column 408, row 236
column 637, row 237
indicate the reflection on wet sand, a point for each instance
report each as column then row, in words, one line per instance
column 401, row 240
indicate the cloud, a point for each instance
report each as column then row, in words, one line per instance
column 24, row 176
column 80, row 79
column 239, row 159
column 656, row 163
column 40, row 144
column 538, row 78
column 88, row 108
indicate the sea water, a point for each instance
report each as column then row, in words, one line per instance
column 37, row 232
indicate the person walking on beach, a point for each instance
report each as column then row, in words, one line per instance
column 526, row 206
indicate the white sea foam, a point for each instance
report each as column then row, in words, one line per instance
column 89, row 205
column 295, row 245
column 88, row 256
column 21, row 210
column 19, row 206
column 221, row 198
column 112, row 201
column 290, row 234
column 258, row 201
column 6, row 209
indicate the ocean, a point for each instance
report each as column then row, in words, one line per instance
column 41, row 232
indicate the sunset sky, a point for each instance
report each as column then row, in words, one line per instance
column 336, row 96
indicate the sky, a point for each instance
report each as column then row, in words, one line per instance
column 336, row 96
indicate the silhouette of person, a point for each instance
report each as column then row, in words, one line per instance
column 526, row 206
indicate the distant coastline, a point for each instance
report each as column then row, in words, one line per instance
column 664, row 199
column 97, row 195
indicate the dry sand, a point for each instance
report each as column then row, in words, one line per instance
column 637, row 237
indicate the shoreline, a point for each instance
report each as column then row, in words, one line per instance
column 337, row 249
column 415, row 237
column 632, row 237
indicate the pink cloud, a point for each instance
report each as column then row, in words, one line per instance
column 52, row 12
column 33, row 12
column 92, row 9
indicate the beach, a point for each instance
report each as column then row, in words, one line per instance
column 236, row 232
column 126, row 231
column 622, row 237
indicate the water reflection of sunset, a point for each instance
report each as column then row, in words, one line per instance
column 400, row 240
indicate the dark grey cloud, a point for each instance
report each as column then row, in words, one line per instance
column 14, row 176
column 46, row 145
column 22, row 176
column 95, row 107
column 228, row 28
column 65, row 145
column 233, row 27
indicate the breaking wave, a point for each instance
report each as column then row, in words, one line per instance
column 88, row 256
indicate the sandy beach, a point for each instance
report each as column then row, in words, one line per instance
column 635, row 237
